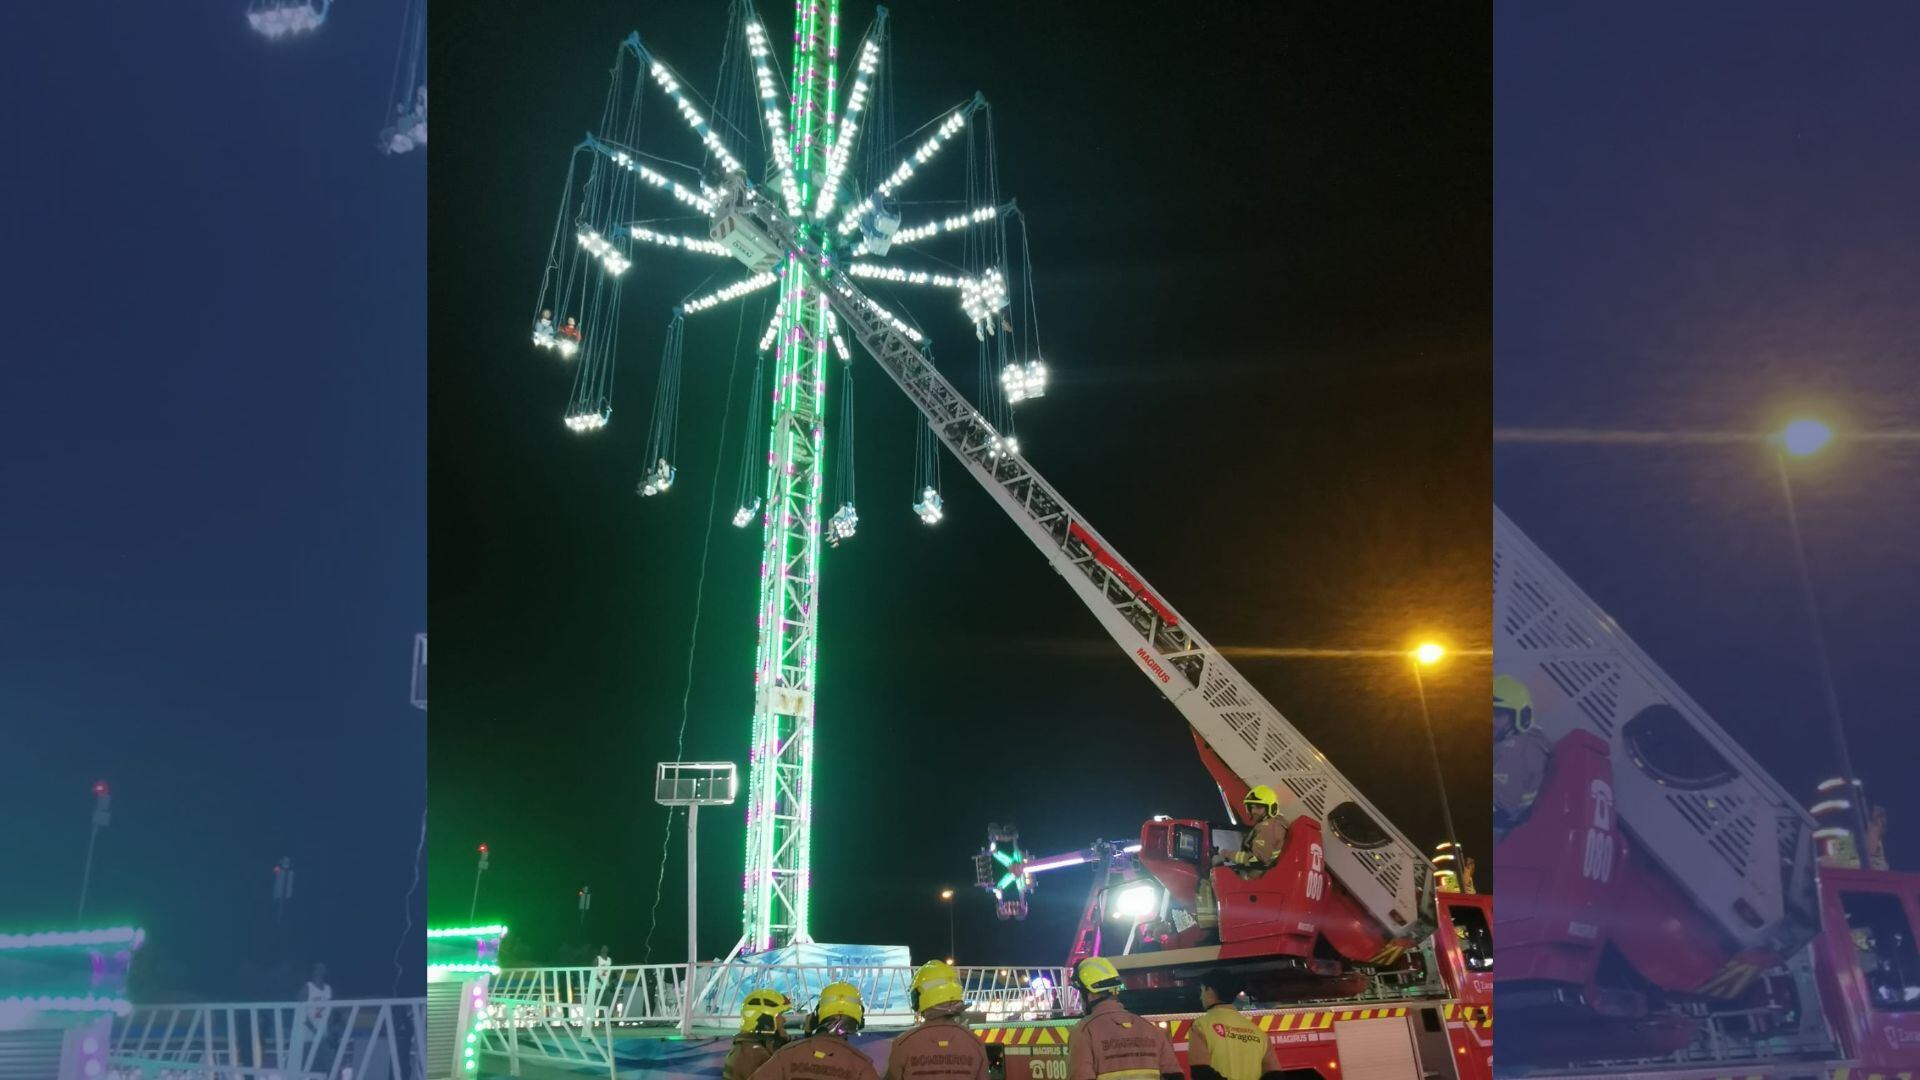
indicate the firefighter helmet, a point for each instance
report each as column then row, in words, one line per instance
column 1262, row 796
column 761, row 1010
column 936, row 983
column 840, row 999
column 1512, row 704
column 1097, row 975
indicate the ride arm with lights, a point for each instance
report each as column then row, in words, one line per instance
column 1231, row 720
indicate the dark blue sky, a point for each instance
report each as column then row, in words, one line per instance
column 1705, row 220
column 212, row 473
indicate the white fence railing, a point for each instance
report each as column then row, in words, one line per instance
column 337, row 1040
column 653, row 993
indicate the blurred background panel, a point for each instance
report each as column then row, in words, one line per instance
column 212, row 499
column 1707, row 433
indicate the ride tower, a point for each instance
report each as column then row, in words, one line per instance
column 780, row 780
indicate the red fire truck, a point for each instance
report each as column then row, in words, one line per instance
column 1666, row 909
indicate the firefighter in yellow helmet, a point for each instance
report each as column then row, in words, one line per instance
column 1266, row 833
column 1224, row 1045
column 1110, row 1043
column 1520, row 754
column 763, row 1029
column 941, row 1045
column 825, row 1052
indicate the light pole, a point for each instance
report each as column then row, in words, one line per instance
column 1802, row 438
column 102, row 800
column 475, row 906
column 1427, row 655
column 282, row 886
column 693, row 784
column 946, row 897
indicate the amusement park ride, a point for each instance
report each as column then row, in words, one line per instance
column 1351, row 906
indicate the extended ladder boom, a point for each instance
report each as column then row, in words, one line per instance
column 1364, row 852
column 1723, row 829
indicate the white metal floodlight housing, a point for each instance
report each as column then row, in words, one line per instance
column 695, row 783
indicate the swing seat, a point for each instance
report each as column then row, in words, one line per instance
column 279, row 18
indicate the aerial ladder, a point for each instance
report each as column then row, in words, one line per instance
column 1384, row 881
column 1669, row 875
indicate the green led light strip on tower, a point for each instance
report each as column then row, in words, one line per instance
column 779, row 805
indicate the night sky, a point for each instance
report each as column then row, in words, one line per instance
column 211, row 468
column 1261, row 247
column 1706, row 222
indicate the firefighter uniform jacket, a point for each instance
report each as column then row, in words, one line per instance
column 940, row 1047
column 750, row 1051
column 1519, row 768
column 1230, row 1045
column 817, row 1057
column 1110, row 1043
column 1262, row 847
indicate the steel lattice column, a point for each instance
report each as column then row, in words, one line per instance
column 779, row 815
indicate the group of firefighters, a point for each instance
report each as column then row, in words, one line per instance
column 1109, row 1043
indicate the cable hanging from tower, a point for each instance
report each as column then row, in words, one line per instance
column 1026, row 377
column 664, row 434
column 986, row 296
column 752, row 462
column 845, row 519
column 926, row 473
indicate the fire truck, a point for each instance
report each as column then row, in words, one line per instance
column 1350, row 907
column 1426, row 1016
column 1665, row 909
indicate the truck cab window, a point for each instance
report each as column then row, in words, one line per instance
column 1476, row 940
column 1884, row 949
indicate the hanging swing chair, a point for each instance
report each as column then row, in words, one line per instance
column 406, row 128
column 276, row 19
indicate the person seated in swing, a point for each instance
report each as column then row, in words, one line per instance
column 543, row 328
column 571, row 331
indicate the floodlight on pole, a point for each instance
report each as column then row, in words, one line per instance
column 694, row 784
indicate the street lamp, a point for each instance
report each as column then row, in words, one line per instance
column 475, row 906
column 1801, row 438
column 946, row 897
column 102, row 801
column 1426, row 655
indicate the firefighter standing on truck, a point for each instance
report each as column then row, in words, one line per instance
column 763, row 1029
column 825, row 1052
column 941, row 1045
column 1520, row 754
column 1110, row 1043
column 1223, row 1045
column 1266, row 833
